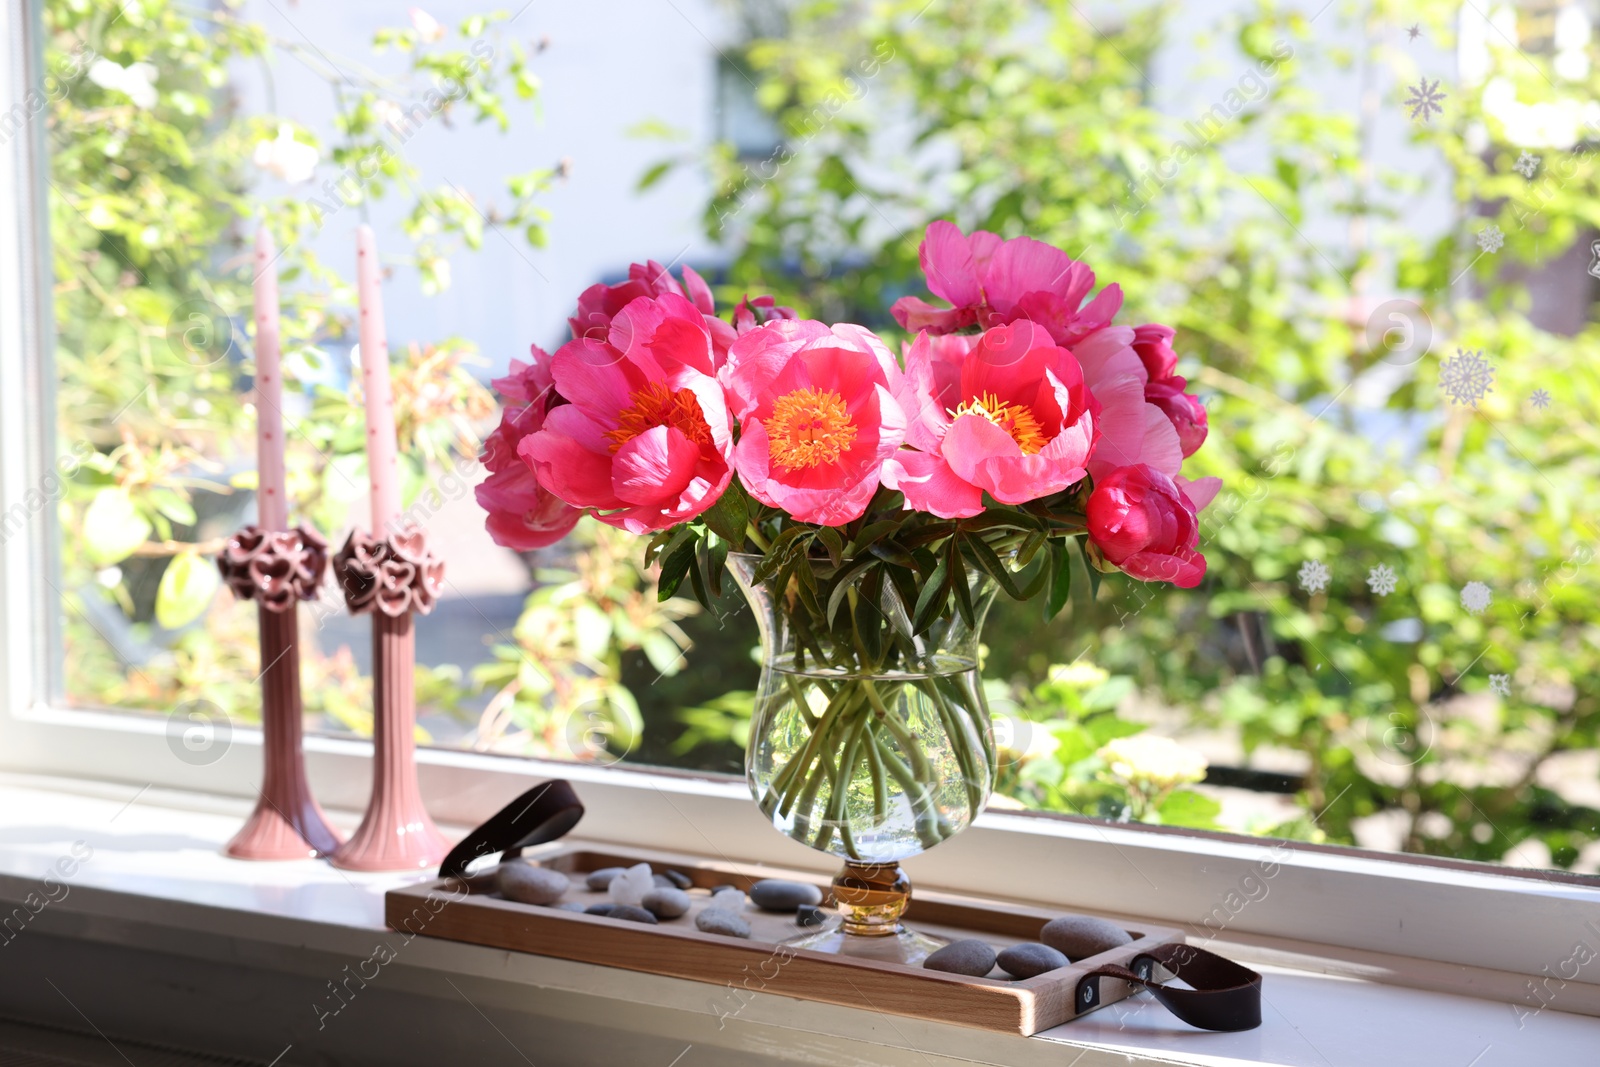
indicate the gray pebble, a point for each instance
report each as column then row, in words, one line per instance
column 571, row 905
column 601, row 879
column 1029, row 959
column 666, row 903
column 1081, row 936
column 663, row 882
column 631, row 914
column 528, row 884
column 679, row 879
column 773, row 894
column 809, row 915
column 720, row 922
column 600, row 909
column 970, row 957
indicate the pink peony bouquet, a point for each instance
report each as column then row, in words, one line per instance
column 1019, row 418
column 869, row 506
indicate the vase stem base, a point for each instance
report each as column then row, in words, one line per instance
column 901, row 945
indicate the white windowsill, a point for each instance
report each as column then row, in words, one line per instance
column 157, row 881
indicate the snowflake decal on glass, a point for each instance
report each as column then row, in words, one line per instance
column 1424, row 100
column 1500, row 684
column 1381, row 580
column 1491, row 239
column 1466, row 377
column 1314, row 575
column 1527, row 164
column 1476, row 597
column 1540, row 398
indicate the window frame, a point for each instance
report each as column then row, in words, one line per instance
column 1435, row 923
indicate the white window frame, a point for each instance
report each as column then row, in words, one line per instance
column 1436, row 924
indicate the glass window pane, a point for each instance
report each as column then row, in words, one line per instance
column 1375, row 244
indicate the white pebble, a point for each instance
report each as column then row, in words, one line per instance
column 631, row 885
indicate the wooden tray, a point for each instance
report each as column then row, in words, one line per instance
column 1026, row 1006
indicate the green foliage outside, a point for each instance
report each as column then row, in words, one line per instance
column 1015, row 117
column 1026, row 118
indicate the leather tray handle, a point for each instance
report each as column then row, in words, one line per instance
column 1226, row 995
column 542, row 814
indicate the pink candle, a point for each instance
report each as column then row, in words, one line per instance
column 272, row 501
column 383, row 464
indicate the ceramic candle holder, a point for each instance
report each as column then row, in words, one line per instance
column 391, row 579
column 278, row 569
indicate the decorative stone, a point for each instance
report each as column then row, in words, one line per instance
column 728, row 899
column 632, row 914
column 773, row 894
column 809, row 915
column 631, row 885
column 600, row 909
column 666, row 903
column 718, row 921
column 601, row 879
column 1029, row 959
column 527, row 884
column 1082, row 936
column 679, row 879
column 971, row 957
column 663, row 882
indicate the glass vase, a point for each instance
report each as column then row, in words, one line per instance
column 870, row 741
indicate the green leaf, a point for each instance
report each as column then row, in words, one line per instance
column 1084, row 584
column 832, row 543
column 675, row 567
column 112, row 527
column 958, row 581
column 930, row 601
column 871, row 532
column 729, row 516
column 1188, row 808
column 843, row 583
column 1060, row 564
column 186, row 589
column 654, row 175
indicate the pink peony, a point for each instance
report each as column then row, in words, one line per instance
column 645, row 439
column 523, row 515
column 1183, row 410
column 1166, row 389
column 758, row 312
column 1132, row 430
column 1010, row 417
column 1145, row 523
column 991, row 282
column 817, row 417
column 600, row 303
column 1152, row 343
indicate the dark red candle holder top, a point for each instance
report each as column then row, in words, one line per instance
column 393, row 576
column 274, row 567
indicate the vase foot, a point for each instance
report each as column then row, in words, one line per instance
column 902, row 945
column 383, row 845
column 270, row 834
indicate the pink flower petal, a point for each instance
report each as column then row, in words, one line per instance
column 580, row 477
column 930, row 485
column 654, row 468
column 946, row 260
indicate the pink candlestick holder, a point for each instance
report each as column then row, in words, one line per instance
column 391, row 579
column 278, row 569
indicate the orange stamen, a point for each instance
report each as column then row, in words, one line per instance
column 1014, row 419
column 809, row 428
column 656, row 405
